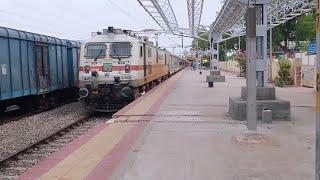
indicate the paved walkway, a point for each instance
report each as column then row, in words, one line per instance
column 182, row 130
column 193, row 138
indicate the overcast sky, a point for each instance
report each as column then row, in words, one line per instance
column 76, row 19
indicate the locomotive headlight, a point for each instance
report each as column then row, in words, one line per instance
column 94, row 73
column 127, row 68
column 83, row 92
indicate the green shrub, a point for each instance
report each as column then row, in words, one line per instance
column 279, row 82
column 242, row 64
column 284, row 73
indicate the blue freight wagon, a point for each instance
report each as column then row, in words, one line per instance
column 36, row 70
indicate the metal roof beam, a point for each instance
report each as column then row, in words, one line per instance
column 195, row 8
column 161, row 11
column 231, row 17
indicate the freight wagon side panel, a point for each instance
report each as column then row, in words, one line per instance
column 65, row 67
column 42, row 68
column 72, row 66
column 15, row 65
column 53, row 67
column 59, row 67
column 32, row 70
column 75, row 67
column 5, row 79
column 25, row 67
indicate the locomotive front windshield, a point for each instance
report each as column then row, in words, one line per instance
column 96, row 50
column 122, row 50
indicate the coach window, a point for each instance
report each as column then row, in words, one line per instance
column 141, row 51
column 157, row 56
column 120, row 50
column 149, row 53
column 160, row 57
column 165, row 59
column 95, row 50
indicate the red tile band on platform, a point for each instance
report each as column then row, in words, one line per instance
column 54, row 159
column 112, row 160
column 109, row 163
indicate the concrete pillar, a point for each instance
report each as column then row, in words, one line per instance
column 215, row 75
column 257, row 94
column 251, row 70
column 262, row 48
column 215, row 57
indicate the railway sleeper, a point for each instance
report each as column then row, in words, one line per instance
column 89, row 126
column 12, row 171
column 35, row 155
column 57, row 144
column 19, row 169
column 79, row 129
column 65, row 141
column 5, row 177
column 77, row 134
column 41, row 151
column 71, row 136
column 23, row 163
column 82, row 129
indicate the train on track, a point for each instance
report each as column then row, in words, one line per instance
column 116, row 66
column 36, row 70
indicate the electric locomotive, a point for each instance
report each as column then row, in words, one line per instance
column 116, row 66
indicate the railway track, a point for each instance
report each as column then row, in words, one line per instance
column 18, row 114
column 16, row 164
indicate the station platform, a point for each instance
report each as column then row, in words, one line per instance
column 181, row 129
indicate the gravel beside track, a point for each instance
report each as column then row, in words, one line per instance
column 19, row 134
column 32, row 156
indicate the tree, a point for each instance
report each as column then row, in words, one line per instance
column 302, row 28
column 202, row 45
column 222, row 52
column 284, row 33
column 233, row 43
column 306, row 27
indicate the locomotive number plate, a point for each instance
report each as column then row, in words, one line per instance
column 125, row 77
column 94, row 63
column 121, row 62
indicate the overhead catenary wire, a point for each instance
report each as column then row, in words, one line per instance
column 125, row 12
column 49, row 32
column 38, row 12
column 35, row 20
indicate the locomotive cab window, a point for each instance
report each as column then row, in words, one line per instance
column 120, row 50
column 96, row 50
